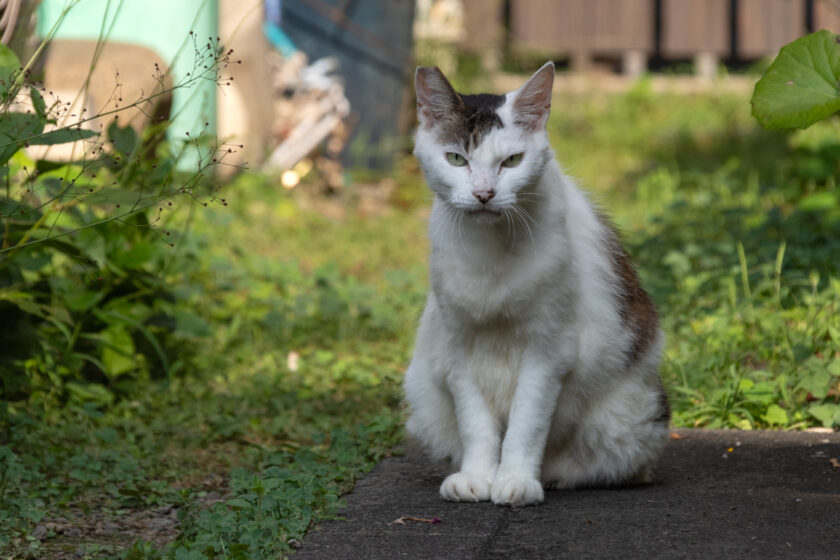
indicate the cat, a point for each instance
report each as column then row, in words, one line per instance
column 536, row 359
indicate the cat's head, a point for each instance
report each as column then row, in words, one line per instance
column 482, row 153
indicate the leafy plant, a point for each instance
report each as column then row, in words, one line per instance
column 83, row 243
column 802, row 86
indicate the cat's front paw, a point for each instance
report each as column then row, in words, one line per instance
column 466, row 487
column 513, row 490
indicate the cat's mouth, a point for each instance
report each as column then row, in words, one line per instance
column 484, row 215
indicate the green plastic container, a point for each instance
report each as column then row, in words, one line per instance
column 161, row 25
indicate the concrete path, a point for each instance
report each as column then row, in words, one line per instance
column 717, row 494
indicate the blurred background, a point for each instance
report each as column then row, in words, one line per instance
column 213, row 249
column 308, row 67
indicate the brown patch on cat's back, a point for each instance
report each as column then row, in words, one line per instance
column 637, row 310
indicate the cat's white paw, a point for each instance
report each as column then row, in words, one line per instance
column 466, row 487
column 513, row 490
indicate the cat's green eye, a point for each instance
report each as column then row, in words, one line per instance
column 456, row 159
column 512, row 161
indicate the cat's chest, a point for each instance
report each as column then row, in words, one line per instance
column 495, row 289
column 494, row 364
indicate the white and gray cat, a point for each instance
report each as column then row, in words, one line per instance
column 536, row 360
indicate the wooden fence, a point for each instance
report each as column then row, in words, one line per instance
column 634, row 32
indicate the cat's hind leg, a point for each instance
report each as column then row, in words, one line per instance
column 617, row 442
column 431, row 418
column 431, row 408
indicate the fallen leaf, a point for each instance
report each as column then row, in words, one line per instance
column 834, row 462
column 402, row 520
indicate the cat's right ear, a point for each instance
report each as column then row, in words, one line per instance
column 436, row 98
column 532, row 101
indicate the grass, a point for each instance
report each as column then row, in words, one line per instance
column 303, row 310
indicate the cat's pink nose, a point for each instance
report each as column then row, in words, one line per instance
column 484, row 195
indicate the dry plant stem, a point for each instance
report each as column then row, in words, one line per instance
column 20, row 77
column 7, row 252
column 137, row 104
column 97, row 52
column 219, row 58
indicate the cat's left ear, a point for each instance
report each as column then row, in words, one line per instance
column 436, row 98
column 532, row 102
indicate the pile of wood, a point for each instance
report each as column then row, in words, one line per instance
column 310, row 111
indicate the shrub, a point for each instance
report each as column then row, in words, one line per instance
column 88, row 249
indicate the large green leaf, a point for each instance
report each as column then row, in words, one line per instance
column 93, row 392
column 63, row 135
column 124, row 139
column 23, row 300
column 802, row 85
column 827, row 413
column 117, row 351
column 9, row 67
column 775, row 415
column 38, row 103
column 15, row 129
column 136, row 256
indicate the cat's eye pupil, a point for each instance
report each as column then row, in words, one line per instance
column 512, row 161
column 456, row 159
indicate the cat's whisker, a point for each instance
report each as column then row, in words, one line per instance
column 528, row 201
column 448, row 222
column 534, row 222
column 461, row 230
column 452, row 218
column 530, row 194
column 518, row 211
column 527, row 217
column 510, row 228
column 436, row 225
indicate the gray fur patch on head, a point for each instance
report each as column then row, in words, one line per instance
column 462, row 120
column 477, row 119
